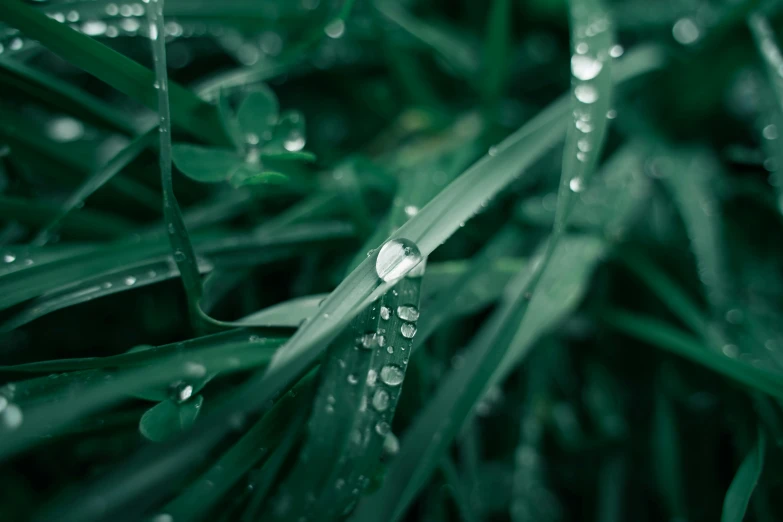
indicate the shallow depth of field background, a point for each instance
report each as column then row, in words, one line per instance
column 386, row 260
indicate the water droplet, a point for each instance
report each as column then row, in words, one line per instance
column 194, row 369
column 391, row 446
column 65, row 129
column 294, row 142
column 734, row 316
column 153, row 32
column 368, row 340
column 616, row 51
column 380, row 400
column 396, row 258
column 112, row 9
column 339, row 483
column 392, row 375
column 582, row 48
column 179, row 256
column 9, row 258
column 730, row 350
column 408, row 313
column 581, row 156
column 381, row 341
column 576, row 184
column 390, row 349
column 94, row 27
column 584, row 126
column 335, row 29
column 385, row 313
column 182, row 392
column 162, row 517
column 72, row 16
column 685, row 31
column 352, row 379
column 411, row 210
column 584, row 145
column 382, row 428
column 770, row 132
column 585, row 67
column 408, row 330
column 611, row 114
column 130, row 280
column 11, row 416
column 586, row 93
column 372, row 377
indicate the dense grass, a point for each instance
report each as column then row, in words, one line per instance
column 380, row 260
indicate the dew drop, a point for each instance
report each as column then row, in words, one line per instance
column 372, row 376
column 576, row 184
column 391, row 446
column 11, row 416
column 194, row 369
column 65, row 129
column 380, row 400
column 408, row 313
column 770, row 132
column 585, row 67
column 382, row 428
column 153, row 32
column 582, row 48
column 369, row 340
column 730, row 350
column 335, row 29
column 685, row 31
column 396, row 258
column 9, row 258
column 411, row 210
column 94, row 27
column 611, row 114
column 586, row 93
column 179, row 256
column 294, row 143
column 130, row 281
column 408, row 330
column 182, row 392
column 616, row 51
column 385, row 313
column 392, row 375
column 352, row 379
column 112, row 9
column 162, row 517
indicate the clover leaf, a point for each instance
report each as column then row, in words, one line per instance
column 267, row 142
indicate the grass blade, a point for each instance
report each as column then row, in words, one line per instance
column 738, row 496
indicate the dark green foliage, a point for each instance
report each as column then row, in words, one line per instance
column 386, row 260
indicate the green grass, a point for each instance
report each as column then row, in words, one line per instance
column 376, row 260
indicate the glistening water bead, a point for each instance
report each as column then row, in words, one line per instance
column 392, row 375
column 396, row 258
column 408, row 313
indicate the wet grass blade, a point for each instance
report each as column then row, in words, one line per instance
column 189, row 112
column 738, row 496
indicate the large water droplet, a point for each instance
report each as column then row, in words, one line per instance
column 396, row 258
column 9, row 258
column 408, row 330
column 586, row 93
column 94, row 27
column 380, row 400
column 11, row 416
column 585, row 67
column 408, row 313
column 392, row 375
column 294, row 142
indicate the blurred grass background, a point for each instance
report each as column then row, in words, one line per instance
column 579, row 204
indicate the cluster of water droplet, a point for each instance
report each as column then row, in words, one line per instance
column 11, row 416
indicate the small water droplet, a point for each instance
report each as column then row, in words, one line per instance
column 294, row 142
column 396, row 258
column 130, row 281
column 408, row 313
column 584, row 145
column 585, row 67
column 11, row 416
column 153, row 32
column 616, row 51
column 179, row 256
column 730, row 350
column 576, row 184
column 335, row 29
column 611, row 114
column 339, row 483
column 582, row 48
column 352, row 379
column 586, row 93
column 385, row 313
column 685, row 31
column 392, row 375
column 770, row 132
column 9, row 258
column 380, row 400
column 112, row 9
column 369, row 340
column 382, row 428
column 72, row 16
column 408, row 330
column 162, row 517
column 65, row 129
column 194, row 369
column 411, row 210
column 372, row 376
column 391, row 446
column 182, row 392
column 94, row 27
column 734, row 316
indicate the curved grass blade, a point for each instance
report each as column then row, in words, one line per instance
column 497, row 51
column 84, row 224
column 168, row 418
column 256, row 445
column 62, row 95
column 22, row 257
column 181, row 247
column 738, row 496
column 661, row 335
column 95, row 181
column 773, row 61
column 190, row 113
